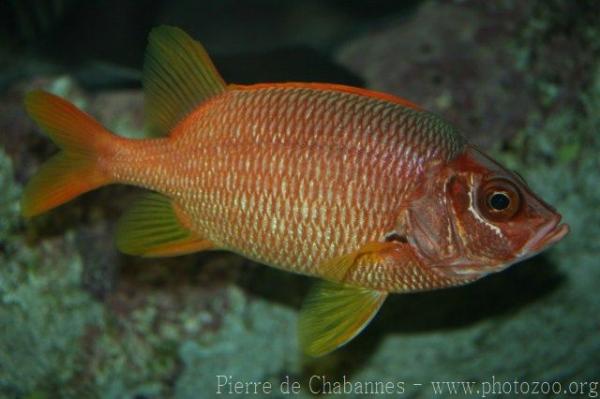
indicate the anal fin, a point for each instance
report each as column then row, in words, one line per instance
column 154, row 227
column 335, row 313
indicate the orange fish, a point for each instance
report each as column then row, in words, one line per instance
column 365, row 190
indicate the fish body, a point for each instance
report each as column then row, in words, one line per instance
column 292, row 175
column 365, row 190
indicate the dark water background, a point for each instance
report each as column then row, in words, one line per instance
column 78, row 319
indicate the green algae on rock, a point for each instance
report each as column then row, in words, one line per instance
column 43, row 313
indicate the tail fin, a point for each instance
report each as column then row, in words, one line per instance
column 74, row 170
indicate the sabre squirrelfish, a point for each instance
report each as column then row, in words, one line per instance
column 365, row 190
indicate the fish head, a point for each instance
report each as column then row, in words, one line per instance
column 475, row 217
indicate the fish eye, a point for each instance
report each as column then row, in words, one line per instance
column 499, row 200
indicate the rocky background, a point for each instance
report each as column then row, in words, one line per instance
column 78, row 319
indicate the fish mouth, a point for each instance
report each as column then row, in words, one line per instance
column 557, row 234
column 545, row 237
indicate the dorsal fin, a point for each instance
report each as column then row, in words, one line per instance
column 334, row 87
column 178, row 75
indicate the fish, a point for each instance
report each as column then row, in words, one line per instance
column 365, row 191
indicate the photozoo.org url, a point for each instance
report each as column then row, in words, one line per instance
column 513, row 388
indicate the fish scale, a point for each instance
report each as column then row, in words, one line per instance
column 247, row 144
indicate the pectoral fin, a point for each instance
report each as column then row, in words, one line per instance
column 337, row 268
column 333, row 314
column 154, row 227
